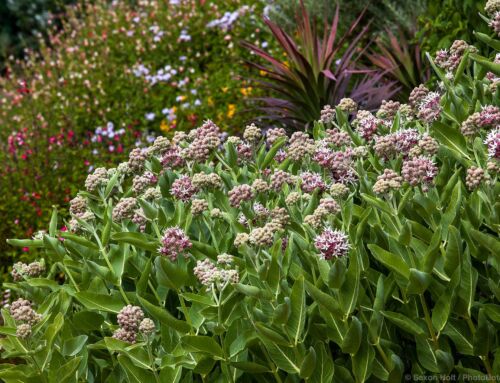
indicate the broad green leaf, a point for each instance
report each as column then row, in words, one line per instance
column 176, row 274
column 468, row 282
column 134, row 373
column 308, row 364
column 296, row 321
column 483, row 337
column 138, row 240
column 337, row 274
column 362, row 362
column 79, row 240
column 452, row 210
column 272, row 152
column 419, row 281
column 487, row 64
column 53, row 223
column 73, row 346
column 67, row 372
column 170, row 375
column 267, row 333
column 142, row 283
column 488, row 241
column 282, row 312
column 32, row 243
column 460, row 335
column 205, row 344
column 403, row 322
column 390, row 260
column 494, row 43
column 323, row 373
column 432, row 253
column 324, row 300
column 453, row 255
column 352, row 339
column 442, row 307
column 87, row 320
column 100, row 302
column 251, row 367
column 348, row 293
column 164, row 316
column 283, row 357
column 426, row 354
column 451, row 137
column 378, row 203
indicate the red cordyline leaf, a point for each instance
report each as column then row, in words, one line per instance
column 319, row 70
column 401, row 60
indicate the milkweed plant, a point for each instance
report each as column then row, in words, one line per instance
column 363, row 250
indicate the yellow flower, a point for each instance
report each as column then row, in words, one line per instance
column 231, row 109
column 246, row 91
column 164, row 126
column 225, row 89
column 263, row 73
column 210, row 101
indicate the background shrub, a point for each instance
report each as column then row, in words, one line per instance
column 84, row 98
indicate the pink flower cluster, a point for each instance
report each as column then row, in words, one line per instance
column 174, row 242
column 183, row 189
column 311, row 182
column 493, row 143
column 420, row 170
column 332, row 244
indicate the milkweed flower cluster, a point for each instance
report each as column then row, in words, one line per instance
column 131, row 321
column 449, row 60
column 366, row 124
column 332, row 244
column 347, row 105
column 492, row 142
column 21, row 311
column 21, row 270
column 174, row 242
column 183, row 189
column 219, row 274
column 419, row 171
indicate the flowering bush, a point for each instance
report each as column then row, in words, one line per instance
column 361, row 251
column 112, row 78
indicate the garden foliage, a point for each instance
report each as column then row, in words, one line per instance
column 362, row 250
column 111, row 77
column 317, row 69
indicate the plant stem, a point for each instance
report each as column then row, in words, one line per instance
column 70, row 277
column 40, row 371
column 123, row 294
column 484, row 358
column 429, row 321
column 487, row 365
column 153, row 367
column 185, row 311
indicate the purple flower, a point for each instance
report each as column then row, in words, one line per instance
column 174, row 242
column 420, row 170
column 430, row 107
column 183, row 189
column 493, row 143
column 332, row 243
column 312, row 181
